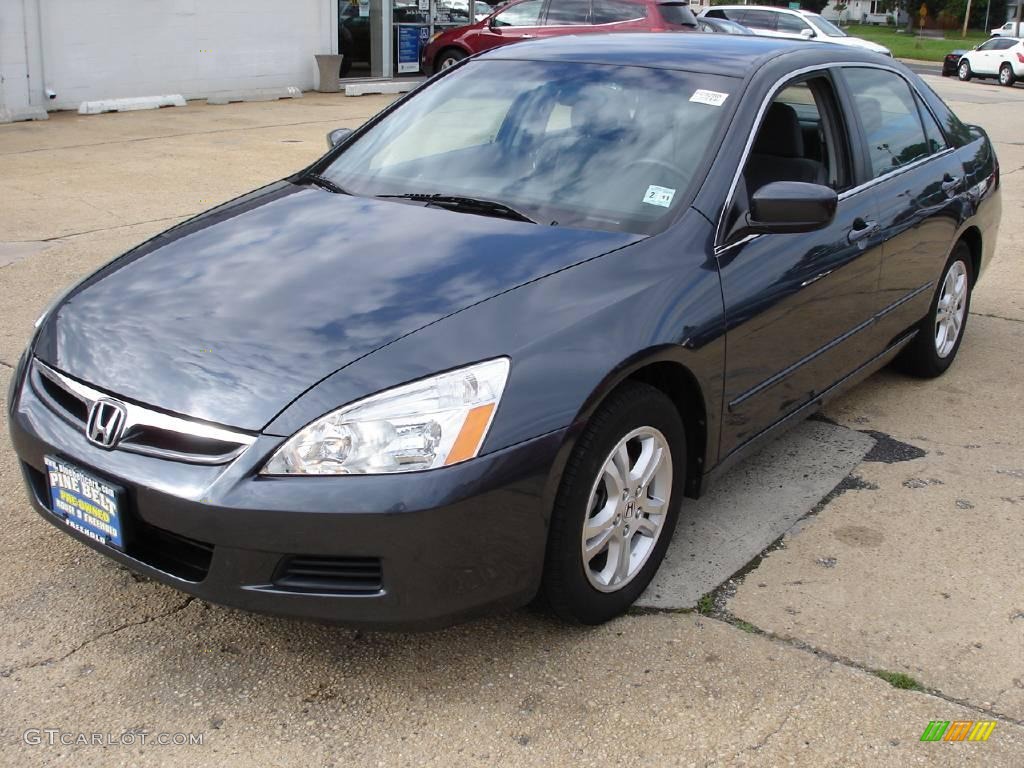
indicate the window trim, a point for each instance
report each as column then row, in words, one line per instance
column 720, row 233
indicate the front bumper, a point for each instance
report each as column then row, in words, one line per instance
column 443, row 545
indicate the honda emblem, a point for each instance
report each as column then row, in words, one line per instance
column 106, row 423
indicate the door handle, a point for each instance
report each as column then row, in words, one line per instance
column 862, row 229
column 526, row 37
column 950, row 184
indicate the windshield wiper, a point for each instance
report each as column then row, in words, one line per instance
column 324, row 183
column 467, row 204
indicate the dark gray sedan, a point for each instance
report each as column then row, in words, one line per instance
column 486, row 346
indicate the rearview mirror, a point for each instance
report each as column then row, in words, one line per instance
column 338, row 135
column 807, row 34
column 791, row 206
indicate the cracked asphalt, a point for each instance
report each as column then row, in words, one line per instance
column 911, row 565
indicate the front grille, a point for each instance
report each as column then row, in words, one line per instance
column 146, row 431
column 330, row 575
column 74, row 408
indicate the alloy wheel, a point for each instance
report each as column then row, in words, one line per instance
column 949, row 314
column 627, row 509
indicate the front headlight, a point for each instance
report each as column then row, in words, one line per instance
column 426, row 424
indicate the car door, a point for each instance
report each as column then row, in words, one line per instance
column 797, row 305
column 983, row 59
column 566, row 17
column 519, row 21
column 919, row 184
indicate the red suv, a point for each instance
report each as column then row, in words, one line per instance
column 528, row 19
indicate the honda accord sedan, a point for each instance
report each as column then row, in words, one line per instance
column 487, row 347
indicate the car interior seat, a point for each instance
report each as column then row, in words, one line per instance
column 778, row 152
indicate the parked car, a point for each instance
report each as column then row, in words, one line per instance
column 1000, row 57
column 951, row 62
column 784, row 22
column 721, row 26
column 534, row 19
column 483, row 348
column 1009, row 29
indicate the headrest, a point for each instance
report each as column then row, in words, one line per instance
column 870, row 114
column 780, row 133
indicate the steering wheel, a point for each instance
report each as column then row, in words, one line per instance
column 676, row 178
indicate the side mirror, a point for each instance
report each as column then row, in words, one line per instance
column 338, row 135
column 492, row 24
column 791, row 206
column 807, row 34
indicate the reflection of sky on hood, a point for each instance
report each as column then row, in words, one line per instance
column 231, row 322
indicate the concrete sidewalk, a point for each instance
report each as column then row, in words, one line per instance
column 911, row 565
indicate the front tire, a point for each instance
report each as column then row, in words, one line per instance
column 1006, row 76
column 447, row 58
column 939, row 335
column 616, row 507
column 963, row 71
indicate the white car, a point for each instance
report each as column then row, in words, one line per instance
column 1009, row 29
column 1000, row 57
column 785, row 22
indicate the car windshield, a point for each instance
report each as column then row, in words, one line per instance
column 582, row 145
column 824, row 25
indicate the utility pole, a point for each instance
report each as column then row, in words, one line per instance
column 967, row 17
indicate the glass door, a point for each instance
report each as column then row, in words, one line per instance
column 361, row 38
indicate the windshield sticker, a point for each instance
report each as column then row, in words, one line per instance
column 714, row 98
column 659, row 196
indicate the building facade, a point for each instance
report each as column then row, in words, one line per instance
column 56, row 54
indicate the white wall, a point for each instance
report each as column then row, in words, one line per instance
column 21, row 85
column 104, row 49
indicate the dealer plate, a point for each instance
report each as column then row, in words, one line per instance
column 87, row 504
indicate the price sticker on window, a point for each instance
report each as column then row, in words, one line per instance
column 714, row 98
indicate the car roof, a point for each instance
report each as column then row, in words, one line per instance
column 733, row 55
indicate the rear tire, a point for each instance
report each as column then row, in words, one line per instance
column 939, row 335
column 616, row 507
column 963, row 71
column 1006, row 76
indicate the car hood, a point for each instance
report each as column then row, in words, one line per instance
column 856, row 42
column 232, row 315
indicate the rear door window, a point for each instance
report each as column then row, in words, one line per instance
column 933, row 134
column 568, row 13
column 888, row 114
column 612, row 11
column 765, row 20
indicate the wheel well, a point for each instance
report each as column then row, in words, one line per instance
column 973, row 239
column 679, row 385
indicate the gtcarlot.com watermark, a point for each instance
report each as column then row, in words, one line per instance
column 135, row 737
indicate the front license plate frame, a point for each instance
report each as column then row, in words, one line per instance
column 86, row 503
